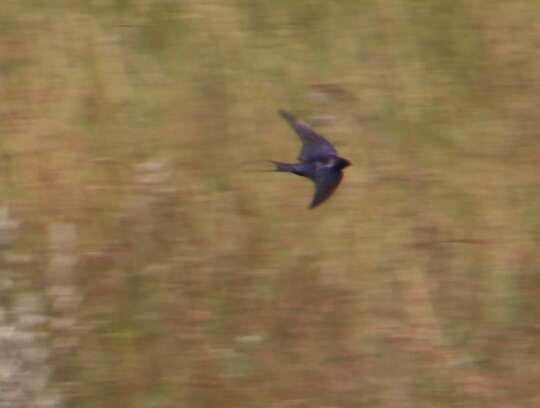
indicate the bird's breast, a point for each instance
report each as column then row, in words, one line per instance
column 326, row 163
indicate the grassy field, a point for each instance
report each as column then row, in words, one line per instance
column 146, row 262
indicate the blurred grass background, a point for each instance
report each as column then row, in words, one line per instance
column 144, row 263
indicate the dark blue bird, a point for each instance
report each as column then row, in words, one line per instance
column 319, row 161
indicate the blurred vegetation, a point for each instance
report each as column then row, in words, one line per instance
column 150, row 264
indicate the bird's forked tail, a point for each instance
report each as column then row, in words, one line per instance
column 279, row 166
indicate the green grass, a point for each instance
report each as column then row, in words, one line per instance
column 202, row 283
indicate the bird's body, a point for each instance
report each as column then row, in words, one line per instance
column 319, row 161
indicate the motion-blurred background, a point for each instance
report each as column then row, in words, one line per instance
column 146, row 262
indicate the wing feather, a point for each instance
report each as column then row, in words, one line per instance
column 314, row 146
column 326, row 181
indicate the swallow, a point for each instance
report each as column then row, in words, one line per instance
column 319, row 161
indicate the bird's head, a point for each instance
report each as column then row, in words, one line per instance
column 341, row 163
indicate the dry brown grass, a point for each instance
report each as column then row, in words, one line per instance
column 188, row 279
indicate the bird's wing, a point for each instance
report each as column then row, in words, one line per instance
column 314, row 146
column 326, row 181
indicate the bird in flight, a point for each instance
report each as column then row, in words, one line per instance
column 319, row 161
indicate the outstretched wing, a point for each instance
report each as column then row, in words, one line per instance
column 326, row 181
column 314, row 146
